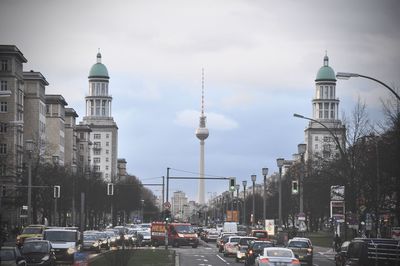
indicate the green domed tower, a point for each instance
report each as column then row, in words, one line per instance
column 104, row 131
column 320, row 141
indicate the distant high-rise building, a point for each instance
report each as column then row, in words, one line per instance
column 320, row 142
column 71, row 149
column 202, row 133
column 179, row 206
column 104, row 135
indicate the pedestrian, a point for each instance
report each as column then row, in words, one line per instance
column 337, row 241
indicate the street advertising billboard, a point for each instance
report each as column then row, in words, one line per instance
column 232, row 216
column 270, row 227
column 337, row 211
column 337, row 193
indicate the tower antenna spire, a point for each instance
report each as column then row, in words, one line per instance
column 202, row 92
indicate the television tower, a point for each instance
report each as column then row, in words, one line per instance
column 202, row 134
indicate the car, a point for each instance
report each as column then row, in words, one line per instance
column 133, row 237
column 230, row 246
column 38, row 252
column 242, row 246
column 260, row 234
column 254, row 249
column 92, row 242
column 341, row 255
column 302, row 248
column 211, row 235
column 33, row 230
column 277, row 256
column 144, row 238
column 65, row 242
column 11, row 256
column 112, row 236
column 223, row 237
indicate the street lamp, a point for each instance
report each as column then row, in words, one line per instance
column 237, row 198
column 253, row 179
column 280, row 162
column 346, row 75
column 244, row 182
column 301, row 148
column 29, row 146
column 142, row 205
column 265, row 173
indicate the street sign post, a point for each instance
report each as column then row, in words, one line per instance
column 167, row 205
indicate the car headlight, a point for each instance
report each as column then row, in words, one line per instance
column 181, row 235
column 71, row 251
column 95, row 244
column 47, row 257
column 104, row 241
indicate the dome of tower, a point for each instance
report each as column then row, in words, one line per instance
column 202, row 133
column 326, row 72
column 98, row 70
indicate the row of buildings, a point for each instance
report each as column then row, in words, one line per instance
column 29, row 115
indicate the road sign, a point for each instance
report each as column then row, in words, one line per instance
column 167, row 205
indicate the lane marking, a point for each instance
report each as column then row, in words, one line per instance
column 222, row 259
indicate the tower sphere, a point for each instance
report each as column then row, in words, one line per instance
column 98, row 70
column 202, row 133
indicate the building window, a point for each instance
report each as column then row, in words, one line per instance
column 107, row 159
column 96, row 160
column 96, row 168
column 107, row 143
column 81, row 136
column 3, row 86
column 316, row 146
column 81, row 147
column 3, row 170
column 3, row 127
column 4, row 65
column 3, row 107
column 316, row 138
column 3, row 148
column 97, row 145
column 107, row 167
column 107, row 151
column 81, row 158
column 96, row 152
column 97, row 136
column 107, row 135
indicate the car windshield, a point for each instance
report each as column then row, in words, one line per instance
column 298, row 244
column 32, row 230
column 89, row 237
column 184, row 229
column 7, row 254
column 234, row 239
column 144, row 233
column 278, row 253
column 35, row 247
column 260, row 234
column 60, row 236
column 245, row 240
column 260, row 246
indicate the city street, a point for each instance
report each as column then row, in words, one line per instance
column 208, row 255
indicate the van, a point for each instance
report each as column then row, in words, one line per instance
column 179, row 234
column 230, row 227
column 65, row 242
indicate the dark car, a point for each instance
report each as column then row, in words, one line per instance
column 341, row 255
column 303, row 249
column 242, row 247
column 11, row 256
column 39, row 252
column 254, row 249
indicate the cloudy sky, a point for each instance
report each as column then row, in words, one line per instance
column 260, row 60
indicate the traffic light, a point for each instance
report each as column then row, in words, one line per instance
column 57, row 192
column 167, row 215
column 110, row 189
column 232, row 183
column 295, row 187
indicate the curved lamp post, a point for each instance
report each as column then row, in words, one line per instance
column 301, row 148
column 347, row 75
column 265, row 173
column 244, row 182
column 279, row 163
column 253, row 179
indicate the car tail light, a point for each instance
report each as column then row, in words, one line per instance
column 295, row 262
column 264, row 260
column 250, row 252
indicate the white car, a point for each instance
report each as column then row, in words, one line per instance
column 276, row 256
column 231, row 246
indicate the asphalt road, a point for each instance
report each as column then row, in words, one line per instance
column 207, row 255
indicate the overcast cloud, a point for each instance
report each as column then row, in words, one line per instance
column 260, row 60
